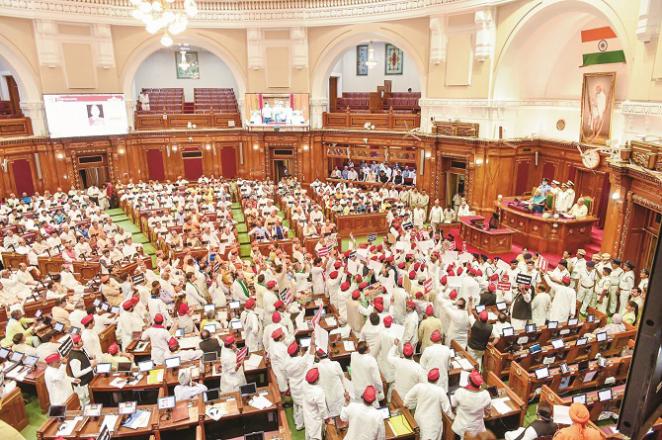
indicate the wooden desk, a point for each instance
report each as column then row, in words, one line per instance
column 490, row 241
column 361, row 224
column 12, row 410
column 11, row 260
column 546, row 234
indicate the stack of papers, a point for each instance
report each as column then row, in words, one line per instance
column 137, row 420
column 18, row 374
column 118, row 382
column 215, row 412
column 399, row 425
column 67, row 427
column 253, row 362
column 109, row 421
column 189, row 342
column 330, row 321
column 348, row 345
column 465, row 364
column 562, row 415
column 154, row 377
column 464, row 379
column 260, row 402
column 501, row 406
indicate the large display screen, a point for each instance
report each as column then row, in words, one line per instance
column 86, row 115
column 277, row 109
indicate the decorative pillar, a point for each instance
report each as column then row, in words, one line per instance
column 438, row 39
column 616, row 220
column 317, row 107
column 35, row 111
column 130, row 112
column 648, row 25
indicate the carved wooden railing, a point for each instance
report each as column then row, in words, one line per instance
column 456, row 128
column 377, row 121
column 155, row 121
column 10, row 127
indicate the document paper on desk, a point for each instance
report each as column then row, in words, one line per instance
column 189, row 342
column 501, row 406
column 118, row 382
column 321, row 338
column 464, row 378
column 253, row 362
column 109, row 421
column 399, row 425
column 260, row 402
column 67, row 427
column 137, row 420
column 348, row 345
column 154, row 377
column 465, row 364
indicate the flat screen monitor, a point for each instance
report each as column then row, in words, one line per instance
column 248, row 390
column 4, row 353
column 210, row 356
column 573, row 321
column 209, row 308
column 501, row 306
column 542, row 373
column 211, row 328
column 535, row 348
column 480, row 308
column 557, row 343
column 601, row 337
column 173, row 362
column 581, row 341
column 166, row 402
column 508, row 331
column 145, row 366
column 103, row 368
column 56, row 410
column 235, row 324
column 605, row 395
column 211, row 395
column 30, row 361
column 127, row 408
column 530, row 328
column 58, row 327
column 74, row 115
column 552, row 325
column 124, row 367
column 254, row 436
column 580, row 398
column 16, row 356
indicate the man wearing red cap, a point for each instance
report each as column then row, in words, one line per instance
column 458, row 317
column 334, row 383
column 314, row 406
column 129, row 323
column 363, row 419
column 278, row 357
column 437, row 356
column 470, row 403
column 430, row 401
column 232, row 375
column 469, row 286
column 317, row 277
column 184, row 355
column 540, row 305
column 115, row 356
column 333, row 285
column 400, row 297
column 429, row 324
column 564, row 302
column 158, row 338
column 365, row 370
column 411, row 324
column 251, row 325
column 296, row 367
column 276, row 320
column 479, row 336
column 80, row 367
column 91, row 341
column 269, row 300
column 356, row 312
column 371, row 333
column 408, row 372
column 58, row 383
column 386, row 339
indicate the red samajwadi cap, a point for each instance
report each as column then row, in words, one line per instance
column 52, row 358
column 369, row 394
column 312, row 375
column 433, row 375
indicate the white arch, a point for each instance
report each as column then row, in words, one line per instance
column 25, row 76
column 147, row 48
column 599, row 7
column 339, row 45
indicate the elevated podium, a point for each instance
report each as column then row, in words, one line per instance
column 475, row 232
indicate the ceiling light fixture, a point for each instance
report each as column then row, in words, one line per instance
column 160, row 15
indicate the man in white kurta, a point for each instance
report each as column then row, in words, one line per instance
column 365, row 370
column 437, row 356
column 232, row 375
column 564, row 301
column 58, row 383
column 314, row 406
column 158, row 338
column 296, row 368
column 408, row 371
column 333, row 382
column 430, row 400
column 364, row 421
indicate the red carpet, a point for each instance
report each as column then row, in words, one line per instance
column 553, row 259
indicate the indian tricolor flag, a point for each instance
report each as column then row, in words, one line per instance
column 601, row 46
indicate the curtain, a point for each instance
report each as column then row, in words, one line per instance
column 22, row 177
column 155, row 168
column 522, row 182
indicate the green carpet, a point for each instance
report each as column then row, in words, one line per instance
column 129, row 227
column 244, row 250
column 35, row 417
column 114, row 211
column 140, row 238
column 296, row 435
column 119, row 218
column 241, row 227
column 149, row 248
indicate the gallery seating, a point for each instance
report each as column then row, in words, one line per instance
column 164, row 100
column 216, row 100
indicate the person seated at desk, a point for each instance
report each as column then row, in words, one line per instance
column 184, row 355
column 187, row 389
column 209, row 344
column 21, row 346
column 537, row 202
column 579, row 209
column 631, row 312
column 494, row 221
column 543, row 426
column 114, row 356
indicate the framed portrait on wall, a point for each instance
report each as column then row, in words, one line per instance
column 598, row 94
column 361, row 58
column 392, row 60
column 186, row 64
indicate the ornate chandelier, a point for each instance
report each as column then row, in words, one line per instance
column 160, row 15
